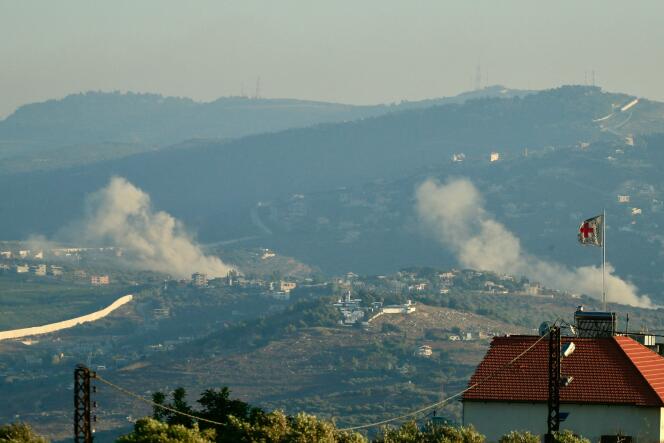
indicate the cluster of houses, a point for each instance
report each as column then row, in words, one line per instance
column 39, row 254
column 279, row 289
column 40, row 270
column 12, row 261
column 44, row 270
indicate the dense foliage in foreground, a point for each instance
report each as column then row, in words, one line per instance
column 236, row 421
column 277, row 427
column 225, row 420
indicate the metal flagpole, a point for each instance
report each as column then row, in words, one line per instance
column 604, row 257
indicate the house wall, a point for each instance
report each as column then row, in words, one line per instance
column 494, row 419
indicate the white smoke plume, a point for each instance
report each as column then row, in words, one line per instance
column 454, row 212
column 121, row 215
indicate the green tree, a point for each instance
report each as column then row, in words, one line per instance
column 407, row 433
column 410, row 432
column 519, row 437
column 19, row 433
column 568, row 436
column 277, row 427
column 219, row 407
column 149, row 430
column 306, row 428
column 179, row 403
column 157, row 412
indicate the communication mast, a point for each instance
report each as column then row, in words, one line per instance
column 478, row 77
column 258, row 88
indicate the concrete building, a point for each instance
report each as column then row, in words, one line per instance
column 22, row 269
column 287, row 286
column 350, row 308
column 447, row 276
column 419, row 287
column 424, row 351
column 407, row 308
column 617, row 389
column 495, row 156
column 199, row 279
column 99, row 280
column 267, row 254
column 39, row 270
column 629, row 140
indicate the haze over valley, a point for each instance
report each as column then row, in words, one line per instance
column 327, row 233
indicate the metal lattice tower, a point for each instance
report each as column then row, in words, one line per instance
column 553, row 418
column 478, row 77
column 82, row 404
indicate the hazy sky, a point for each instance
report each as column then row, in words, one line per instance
column 358, row 51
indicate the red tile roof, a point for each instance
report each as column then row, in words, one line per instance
column 614, row 370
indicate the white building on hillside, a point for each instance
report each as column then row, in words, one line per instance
column 199, row 279
column 407, row 308
column 617, row 390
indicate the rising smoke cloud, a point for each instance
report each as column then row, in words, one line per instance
column 121, row 215
column 455, row 213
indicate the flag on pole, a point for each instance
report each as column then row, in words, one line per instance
column 591, row 231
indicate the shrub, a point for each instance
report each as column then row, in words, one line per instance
column 519, row 437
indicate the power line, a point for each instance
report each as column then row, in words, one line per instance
column 370, row 425
column 382, row 422
column 458, row 394
column 157, row 405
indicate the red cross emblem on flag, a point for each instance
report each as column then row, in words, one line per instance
column 591, row 231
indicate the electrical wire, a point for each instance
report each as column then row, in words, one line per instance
column 563, row 324
column 448, row 399
column 352, row 428
column 153, row 404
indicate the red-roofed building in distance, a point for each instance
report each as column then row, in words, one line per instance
column 617, row 388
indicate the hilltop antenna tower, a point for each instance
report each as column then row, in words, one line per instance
column 258, row 88
column 478, row 77
column 592, row 77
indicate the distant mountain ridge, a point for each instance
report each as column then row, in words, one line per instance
column 236, row 174
column 95, row 126
column 152, row 118
column 340, row 195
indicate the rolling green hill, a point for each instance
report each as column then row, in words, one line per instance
column 340, row 196
column 96, row 126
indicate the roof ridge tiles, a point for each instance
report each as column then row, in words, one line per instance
column 603, row 371
column 645, row 362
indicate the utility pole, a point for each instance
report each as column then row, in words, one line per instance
column 553, row 417
column 82, row 404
